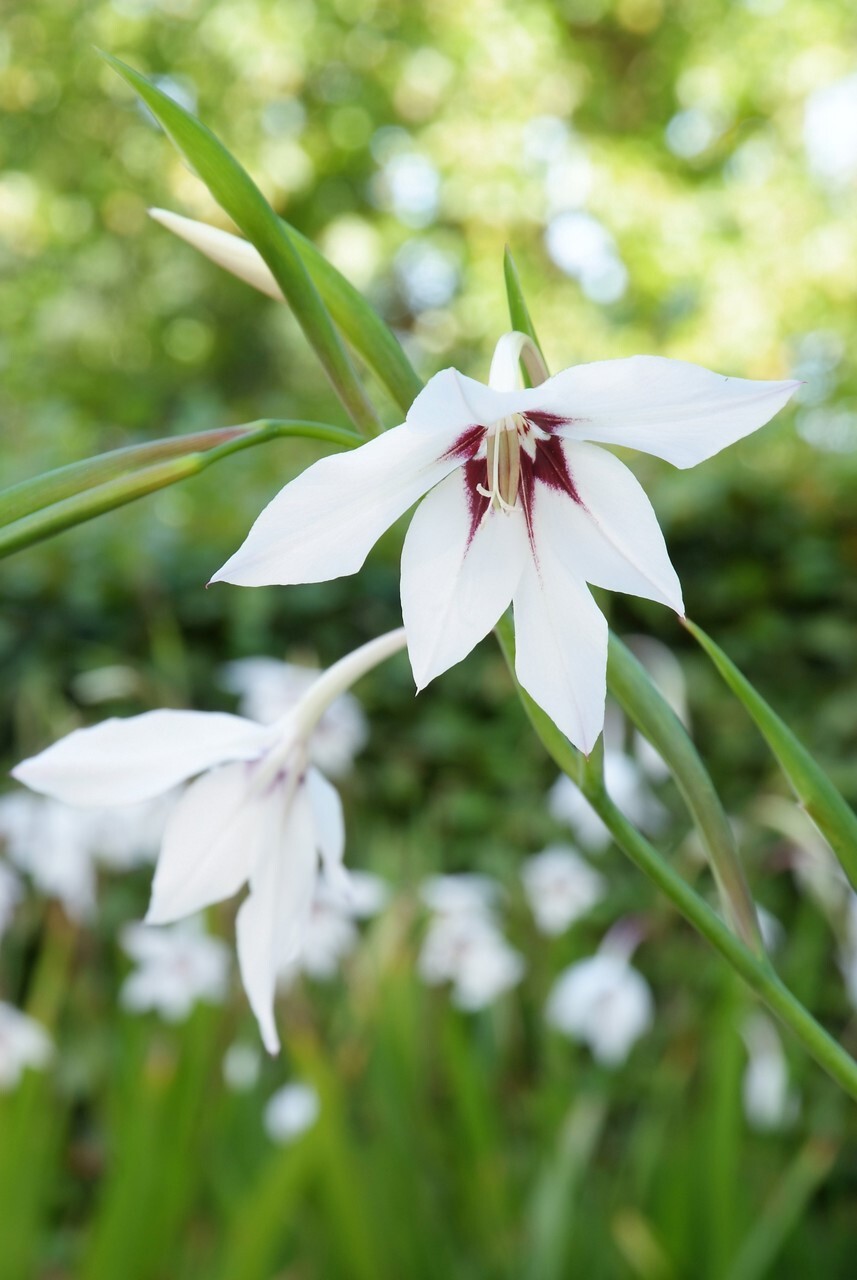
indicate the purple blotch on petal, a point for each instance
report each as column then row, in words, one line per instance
column 467, row 444
column 475, row 473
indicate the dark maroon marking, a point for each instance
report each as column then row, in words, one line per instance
column 548, row 467
column 475, row 473
column 549, row 422
column 467, row 443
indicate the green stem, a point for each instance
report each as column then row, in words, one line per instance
column 643, row 703
column 128, row 485
column 755, row 970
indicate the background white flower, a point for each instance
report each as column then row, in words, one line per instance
column 769, row 1100
column 467, row 892
column 178, row 966
column 331, row 933
column 291, row 1111
column 60, row 847
column 267, row 689
column 241, row 1066
column 11, row 893
column 627, row 787
column 560, row 887
column 23, row 1043
column 463, row 943
column 604, row 1003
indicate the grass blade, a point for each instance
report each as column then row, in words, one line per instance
column 643, row 703
column 816, row 793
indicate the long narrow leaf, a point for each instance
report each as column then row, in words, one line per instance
column 519, row 312
column 359, row 321
column 237, row 194
column 643, row 703
column 824, row 804
column 122, row 481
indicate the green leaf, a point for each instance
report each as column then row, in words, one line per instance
column 755, row 969
column 74, row 494
column 643, row 703
column 817, row 794
column 519, row 312
column 361, row 324
column 237, row 194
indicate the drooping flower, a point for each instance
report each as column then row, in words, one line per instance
column 291, row 1111
column 257, row 813
column 23, row 1043
column 268, row 689
column 178, row 967
column 522, row 507
column 603, row 1002
column 560, row 887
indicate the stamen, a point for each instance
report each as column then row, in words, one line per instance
column 503, row 465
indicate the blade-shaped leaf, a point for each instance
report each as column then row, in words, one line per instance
column 646, row 707
column 79, row 492
column 519, row 312
column 359, row 321
column 819, row 797
column 237, row 194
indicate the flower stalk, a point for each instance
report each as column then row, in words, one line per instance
column 755, row 970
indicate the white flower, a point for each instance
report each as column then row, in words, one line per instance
column 628, row 789
column 769, row 1100
column 560, row 887
column 604, row 1003
column 468, row 950
column 58, row 845
column 178, row 967
column 50, row 842
column 10, row 895
column 329, row 937
column 23, row 1043
column 241, row 1066
column 522, row 507
column 268, row 689
column 291, row 1111
column 258, row 814
column 467, row 893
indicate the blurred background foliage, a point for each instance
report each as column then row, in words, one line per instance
column 678, row 178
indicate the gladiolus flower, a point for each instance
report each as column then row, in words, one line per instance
column 257, row 814
column 522, row 507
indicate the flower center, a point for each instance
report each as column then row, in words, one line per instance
column 503, row 463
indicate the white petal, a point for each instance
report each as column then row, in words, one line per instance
column 211, row 843
column 454, row 587
column 678, row 411
column 123, row 761
column 613, row 540
column 271, row 923
column 228, row 251
column 324, row 523
column 329, row 825
column 561, row 642
column 451, row 400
